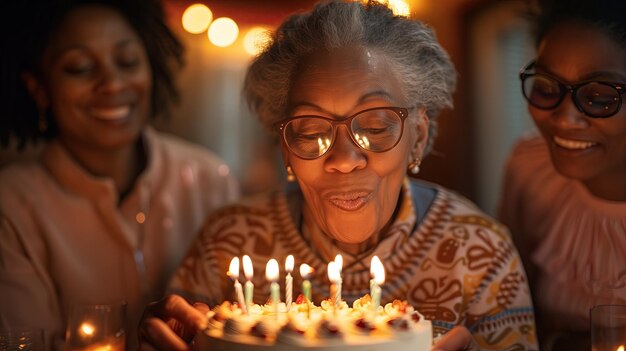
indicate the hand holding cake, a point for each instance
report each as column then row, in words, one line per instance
column 352, row 93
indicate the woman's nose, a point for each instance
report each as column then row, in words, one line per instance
column 110, row 80
column 567, row 115
column 344, row 156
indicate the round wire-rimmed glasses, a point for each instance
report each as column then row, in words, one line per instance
column 596, row 99
column 376, row 129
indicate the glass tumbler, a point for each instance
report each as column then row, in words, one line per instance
column 96, row 327
column 608, row 328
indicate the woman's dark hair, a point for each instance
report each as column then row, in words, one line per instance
column 29, row 27
column 608, row 15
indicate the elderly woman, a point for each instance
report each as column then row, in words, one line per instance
column 352, row 92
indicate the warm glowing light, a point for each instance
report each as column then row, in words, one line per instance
column 333, row 272
column 233, row 269
column 247, row 267
column 339, row 263
column 620, row 348
column 305, row 270
column 289, row 262
column 271, row 270
column 196, row 18
column 87, row 329
column 399, row 7
column 363, row 141
column 377, row 270
column 323, row 145
column 223, row 32
column 255, row 40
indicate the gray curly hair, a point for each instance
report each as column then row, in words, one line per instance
column 421, row 63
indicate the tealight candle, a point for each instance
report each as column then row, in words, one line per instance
column 87, row 331
column 271, row 274
column 305, row 272
column 233, row 273
column 248, row 287
column 289, row 262
column 378, row 278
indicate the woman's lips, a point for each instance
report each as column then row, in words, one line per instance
column 350, row 201
column 572, row 144
column 111, row 113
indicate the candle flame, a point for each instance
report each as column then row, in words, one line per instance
column 271, row 270
column 247, row 267
column 339, row 262
column 620, row 348
column 289, row 262
column 333, row 272
column 87, row 329
column 305, row 270
column 233, row 269
column 377, row 270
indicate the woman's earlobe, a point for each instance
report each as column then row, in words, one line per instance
column 36, row 90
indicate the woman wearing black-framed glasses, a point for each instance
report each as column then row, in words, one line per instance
column 565, row 190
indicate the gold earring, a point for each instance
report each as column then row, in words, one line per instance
column 42, row 122
column 414, row 166
column 291, row 177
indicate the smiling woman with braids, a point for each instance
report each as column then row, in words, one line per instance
column 109, row 209
column 353, row 92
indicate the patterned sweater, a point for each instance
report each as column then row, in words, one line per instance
column 452, row 262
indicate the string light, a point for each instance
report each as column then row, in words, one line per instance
column 223, row 32
column 196, row 18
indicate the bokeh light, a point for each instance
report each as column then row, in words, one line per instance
column 196, row 18
column 399, row 7
column 223, row 32
column 255, row 40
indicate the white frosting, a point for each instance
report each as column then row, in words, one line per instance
column 395, row 326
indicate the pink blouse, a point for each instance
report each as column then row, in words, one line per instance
column 574, row 244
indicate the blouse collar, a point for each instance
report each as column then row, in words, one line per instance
column 73, row 177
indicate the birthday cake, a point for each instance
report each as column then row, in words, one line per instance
column 396, row 326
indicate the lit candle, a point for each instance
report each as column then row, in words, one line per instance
column 378, row 278
column 620, row 348
column 87, row 331
column 271, row 274
column 248, row 287
column 288, row 281
column 339, row 266
column 305, row 272
column 333, row 276
column 233, row 273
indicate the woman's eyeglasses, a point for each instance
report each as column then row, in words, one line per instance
column 594, row 99
column 375, row 129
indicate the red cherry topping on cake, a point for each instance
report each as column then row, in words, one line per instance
column 398, row 324
column 259, row 331
column 415, row 317
column 300, row 299
column 364, row 324
column 329, row 328
column 290, row 327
